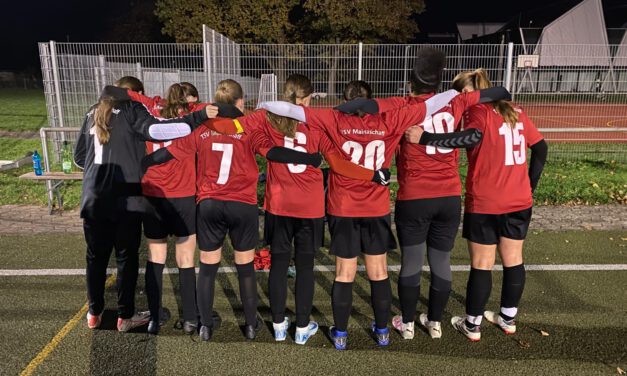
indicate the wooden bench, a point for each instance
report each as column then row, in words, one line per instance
column 55, row 180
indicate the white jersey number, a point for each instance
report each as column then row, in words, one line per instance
column 157, row 145
column 301, row 139
column 435, row 124
column 97, row 146
column 225, row 162
column 375, row 153
column 514, row 138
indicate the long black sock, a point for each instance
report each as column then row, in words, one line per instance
column 187, row 282
column 248, row 291
column 277, row 283
column 206, row 292
column 513, row 286
column 478, row 291
column 381, row 300
column 342, row 303
column 304, row 287
column 154, row 288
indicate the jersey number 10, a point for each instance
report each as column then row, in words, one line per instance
column 435, row 124
column 514, row 138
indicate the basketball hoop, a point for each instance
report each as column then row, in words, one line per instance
column 528, row 61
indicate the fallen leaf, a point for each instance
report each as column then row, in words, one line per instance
column 544, row 334
column 620, row 371
column 523, row 344
column 567, row 241
column 623, row 239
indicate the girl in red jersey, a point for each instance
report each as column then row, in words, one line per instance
column 359, row 213
column 499, row 189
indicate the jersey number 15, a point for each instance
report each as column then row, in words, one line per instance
column 514, row 138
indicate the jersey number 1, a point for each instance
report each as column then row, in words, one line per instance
column 514, row 138
column 97, row 146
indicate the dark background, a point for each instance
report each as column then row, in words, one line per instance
column 24, row 23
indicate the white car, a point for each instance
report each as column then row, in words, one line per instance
column 318, row 95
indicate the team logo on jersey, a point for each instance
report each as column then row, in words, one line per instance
column 362, row 132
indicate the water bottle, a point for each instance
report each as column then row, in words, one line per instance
column 37, row 163
column 67, row 158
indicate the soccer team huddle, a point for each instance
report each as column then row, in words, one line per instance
column 181, row 168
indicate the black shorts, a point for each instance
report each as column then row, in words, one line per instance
column 214, row 218
column 351, row 236
column 431, row 220
column 169, row 216
column 488, row 228
column 306, row 233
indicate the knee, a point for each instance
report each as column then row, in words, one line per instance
column 377, row 272
column 211, row 257
column 345, row 271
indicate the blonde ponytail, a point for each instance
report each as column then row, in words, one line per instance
column 102, row 115
column 477, row 80
column 297, row 87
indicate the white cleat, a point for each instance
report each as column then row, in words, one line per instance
column 280, row 330
column 303, row 334
column 508, row 327
column 459, row 323
column 405, row 329
column 433, row 327
column 138, row 319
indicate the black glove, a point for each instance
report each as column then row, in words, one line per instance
column 117, row 93
column 382, row 176
column 228, row 111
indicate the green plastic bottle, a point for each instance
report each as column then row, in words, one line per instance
column 67, row 158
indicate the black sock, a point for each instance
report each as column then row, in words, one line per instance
column 381, row 300
column 342, row 303
column 187, row 282
column 408, row 295
column 154, row 288
column 513, row 286
column 478, row 291
column 206, row 292
column 248, row 291
column 439, row 293
column 277, row 285
column 304, row 287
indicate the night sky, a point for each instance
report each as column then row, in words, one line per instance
column 24, row 23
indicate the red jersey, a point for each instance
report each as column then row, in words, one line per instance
column 175, row 178
column 292, row 190
column 498, row 179
column 226, row 168
column 370, row 142
column 429, row 171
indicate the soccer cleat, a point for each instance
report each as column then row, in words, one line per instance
column 153, row 327
column 405, row 329
column 433, row 327
column 339, row 338
column 459, row 323
column 303, row 334
column 205, row 333
column 190, row 327
column 93, row 321
column 280, row 329
column 138, row 319
column 508, row 327
column 250, row 331
column 382, row 336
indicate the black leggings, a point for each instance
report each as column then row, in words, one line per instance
column 102, row 236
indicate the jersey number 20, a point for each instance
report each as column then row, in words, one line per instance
column 514, row 138
column 375, row 153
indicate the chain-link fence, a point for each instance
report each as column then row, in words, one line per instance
column 576, row 94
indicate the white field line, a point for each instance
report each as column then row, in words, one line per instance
column 318, row 268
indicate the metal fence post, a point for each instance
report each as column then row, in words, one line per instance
column 361, row 57
column 508, row 69
column 57, row 83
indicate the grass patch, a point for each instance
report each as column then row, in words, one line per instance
column 22, row 110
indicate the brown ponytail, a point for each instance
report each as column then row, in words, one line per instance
column 297, row 87
column 176, row 103
column 478, row 79
column 102, row 113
